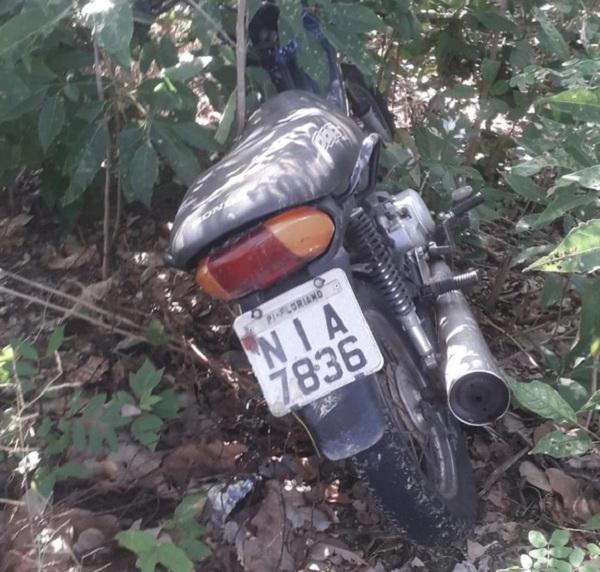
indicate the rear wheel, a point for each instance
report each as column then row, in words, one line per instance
column 419, row 473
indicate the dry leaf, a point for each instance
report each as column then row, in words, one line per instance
column 77, row 259
column 534, row 476
column 202, row 459
column 261, row 544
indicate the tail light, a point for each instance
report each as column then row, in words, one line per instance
column 276, row 248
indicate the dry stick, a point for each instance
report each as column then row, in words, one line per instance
column 593, row 389
column 107, row 168
column 240, row 64
column 206, row 360
column 77, row 301
column 119, row 189
column 70, row 311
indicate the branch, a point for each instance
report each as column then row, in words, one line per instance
column 240, row 60
column 107, row 168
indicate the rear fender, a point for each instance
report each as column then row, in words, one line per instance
column 347, row 421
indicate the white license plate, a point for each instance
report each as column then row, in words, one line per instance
column 308, row 342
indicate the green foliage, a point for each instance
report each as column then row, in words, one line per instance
column 555, row 555
column 178, row 557
column 578, row 252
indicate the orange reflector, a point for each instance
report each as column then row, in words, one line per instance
column 279, row 246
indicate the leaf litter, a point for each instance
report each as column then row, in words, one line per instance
column 280, row 507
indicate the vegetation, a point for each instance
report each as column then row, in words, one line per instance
column 105, row 104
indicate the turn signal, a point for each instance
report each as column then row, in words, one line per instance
column 278, row 247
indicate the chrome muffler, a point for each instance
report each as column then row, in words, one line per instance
column 477, row 392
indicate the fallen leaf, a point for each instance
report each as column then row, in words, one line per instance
column 80, row 257
column 475, row 550
column 534, row 476
column 202, row 459
column 261, row 545
column 90, row 372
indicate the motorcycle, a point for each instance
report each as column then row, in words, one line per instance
column 351, row 317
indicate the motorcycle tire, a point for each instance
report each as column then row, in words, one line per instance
column 418, row 474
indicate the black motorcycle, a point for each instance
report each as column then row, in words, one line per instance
column 351, row 317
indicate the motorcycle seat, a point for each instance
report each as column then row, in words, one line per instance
column 296, row 148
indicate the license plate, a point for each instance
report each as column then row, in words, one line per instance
column 308, row 342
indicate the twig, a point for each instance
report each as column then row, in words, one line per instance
column 560, row 305
column 12, row 502
column 501, row 469
column 107, row 168
column 70, row 311
column 119, row 189
column 240, row 64
column 76, row 300
column 593, row 389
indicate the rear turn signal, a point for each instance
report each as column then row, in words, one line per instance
column 276, row 248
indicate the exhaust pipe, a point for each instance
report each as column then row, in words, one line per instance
column 477, row 392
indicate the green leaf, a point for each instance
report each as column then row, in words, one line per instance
column 550, row 38
column 592, row 402
column 189, row 508
column 559, row 445
column 89, row 159
column 184, row 71
column 593, row 549
column 564, row 201
column 561, row 551
column 168, row 406
column 166, row 53
column 489, row 71
column 145, row 379
column 533, row 166
column 552, row 290
column 155, row 333
column 560, row 538
column 555, row 565
column 39, row 19
column 24, row 349
column 581, row 103
column 578, row 252
column 71, row 469
column 145, row 429
column 537, row 539
column 138, row 541
column 143, row 174
column 593, row 523
column 195, row 549
column 354, row 18
column 525, row 187
column 174, row 558
column 589, row 178
column 577, row 557
column 112, row 26
column 51, row 120
column 227, row 119
column 494, row 21
column 180, row 157
column 544, row 400
column 196, row 136
column 56, row 340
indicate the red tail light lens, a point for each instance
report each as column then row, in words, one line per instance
column 277, row 247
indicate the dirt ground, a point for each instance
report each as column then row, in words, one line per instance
column 275, row 504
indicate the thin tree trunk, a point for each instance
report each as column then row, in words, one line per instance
column 107, row 170
column 240, row 54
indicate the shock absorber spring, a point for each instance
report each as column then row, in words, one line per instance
column 390, row 282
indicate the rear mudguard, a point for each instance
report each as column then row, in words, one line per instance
column 347, row 421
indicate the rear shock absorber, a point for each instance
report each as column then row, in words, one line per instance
column 391, row 283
